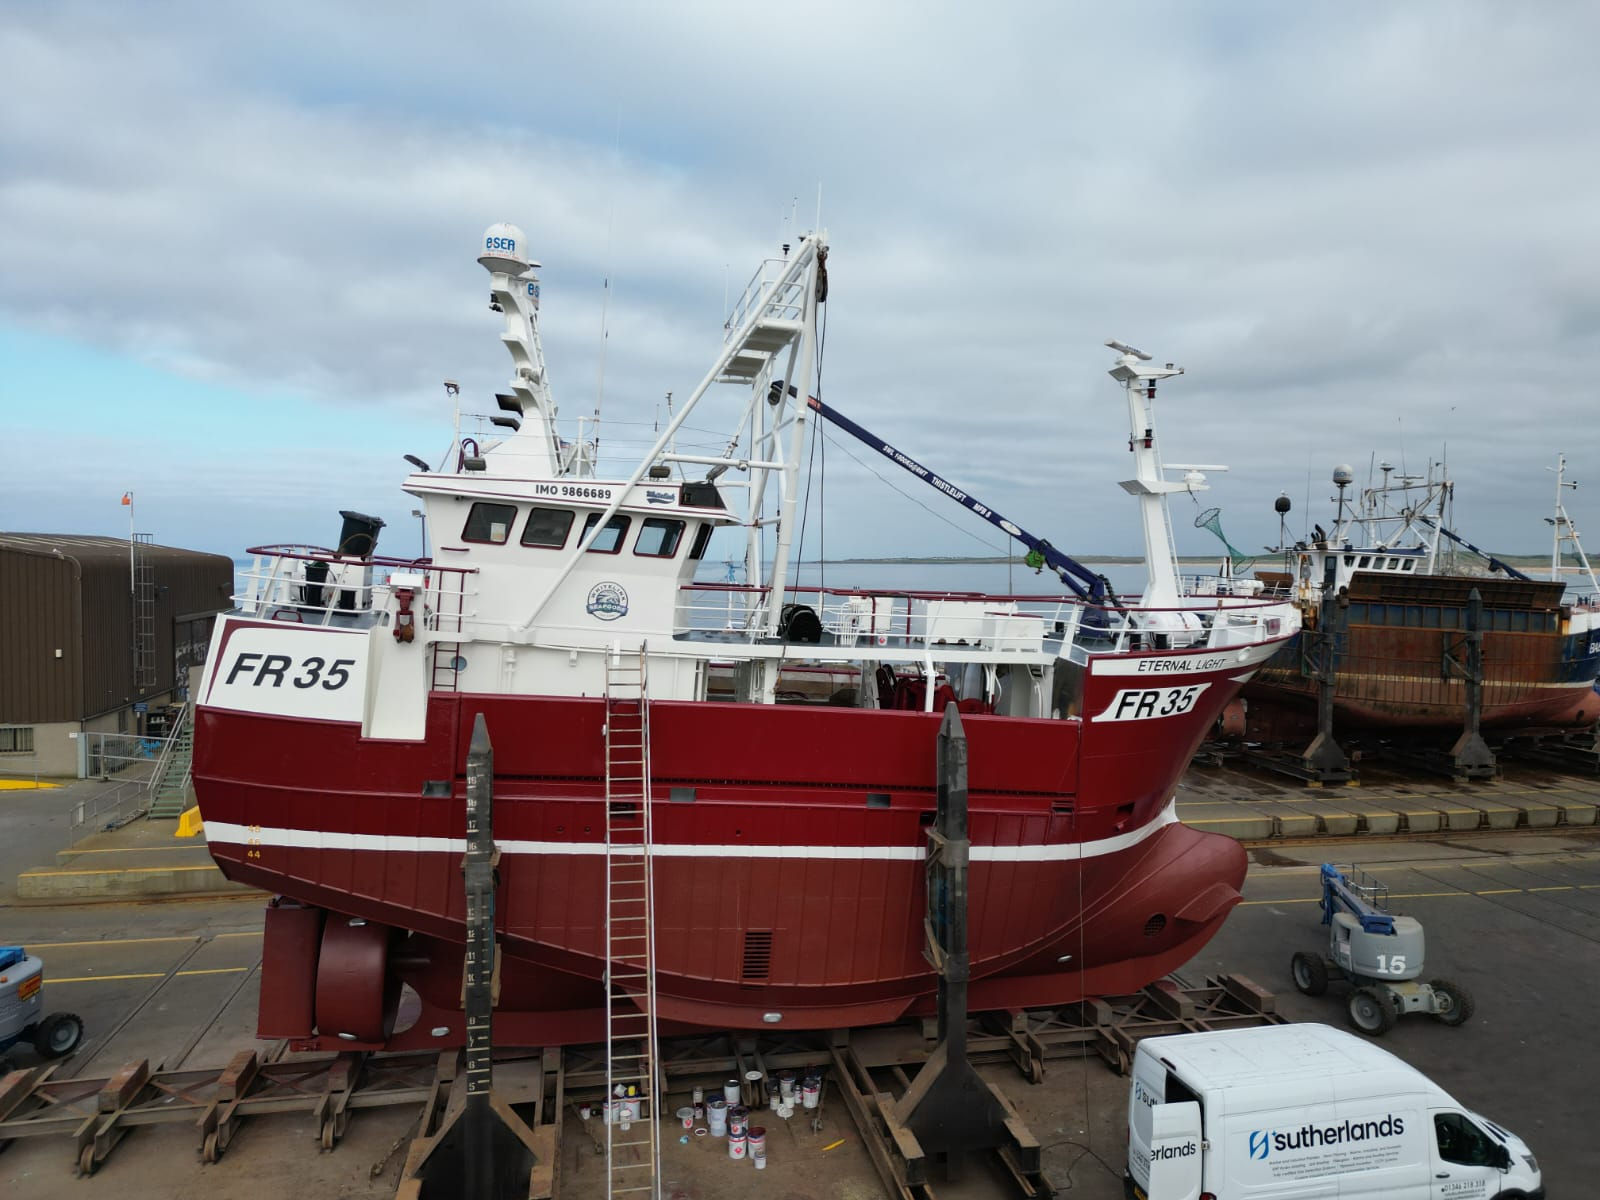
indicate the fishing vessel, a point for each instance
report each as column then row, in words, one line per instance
column 779, row 835
column 1394, row 561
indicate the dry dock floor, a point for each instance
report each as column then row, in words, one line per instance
column 1511, row 911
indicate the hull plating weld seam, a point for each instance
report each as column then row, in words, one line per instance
column 312, row 839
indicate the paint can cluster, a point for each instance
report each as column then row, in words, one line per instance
column 726, row 1116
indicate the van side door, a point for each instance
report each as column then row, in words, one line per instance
column 1467, row 1162
column 1175, row 1151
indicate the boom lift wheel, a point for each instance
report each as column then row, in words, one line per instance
column 58, row 1035
column 1372, row 1010
column 1310, row 974
column 1453, row 1003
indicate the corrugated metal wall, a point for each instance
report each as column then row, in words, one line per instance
column 40, row 599
column 38, row 607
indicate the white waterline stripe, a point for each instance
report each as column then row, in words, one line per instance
column 314, row 839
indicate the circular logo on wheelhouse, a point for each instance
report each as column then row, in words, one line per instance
column 607, row 601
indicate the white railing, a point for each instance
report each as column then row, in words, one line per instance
column 787, row 305
column 922, row 623
column 312, row 586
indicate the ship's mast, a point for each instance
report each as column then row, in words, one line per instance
column 1562, row 529
column 1160, row 549
column 514, row 291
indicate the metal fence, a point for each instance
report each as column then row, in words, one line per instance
column 128, row 760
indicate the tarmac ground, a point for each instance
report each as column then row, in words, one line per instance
column 1512, row 913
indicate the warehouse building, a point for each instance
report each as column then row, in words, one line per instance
column 97, row 634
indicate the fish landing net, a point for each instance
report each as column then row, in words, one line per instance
column 1211, row 519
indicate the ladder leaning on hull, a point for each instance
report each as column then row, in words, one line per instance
column 633, row 1124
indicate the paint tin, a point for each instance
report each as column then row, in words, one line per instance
column 761, row 1163
column 811, row 1091
column 772, row 1094
column 756, row 1139
column 699, row 1097
column 699, row 1111
column 686, row 1117
column 786, row 1085
column 738, row 1119
column 736, row 1146
column 730, row 1091
column 717, row 1117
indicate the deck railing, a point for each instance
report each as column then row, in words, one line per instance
column 311, row 585
column 938, row 622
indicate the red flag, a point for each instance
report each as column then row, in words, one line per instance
column 127, row 499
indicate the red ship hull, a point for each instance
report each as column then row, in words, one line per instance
column 789, row 858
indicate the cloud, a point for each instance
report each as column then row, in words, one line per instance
column 1362, row 233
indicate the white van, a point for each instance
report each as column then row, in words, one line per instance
column 1299, row 1111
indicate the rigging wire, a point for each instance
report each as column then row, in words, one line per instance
column 605, row 287
column 887, row 482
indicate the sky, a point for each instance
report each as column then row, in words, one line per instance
column 237, row 250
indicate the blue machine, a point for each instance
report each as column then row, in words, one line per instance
column 1380, row 953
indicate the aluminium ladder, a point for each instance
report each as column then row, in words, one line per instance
column 633, row 1128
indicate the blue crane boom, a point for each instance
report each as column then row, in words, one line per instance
column 1084, row 583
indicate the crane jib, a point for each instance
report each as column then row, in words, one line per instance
column 1083, row 582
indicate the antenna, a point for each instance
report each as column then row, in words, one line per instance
column 1124, row 348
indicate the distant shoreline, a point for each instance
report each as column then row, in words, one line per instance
column 1116, row 560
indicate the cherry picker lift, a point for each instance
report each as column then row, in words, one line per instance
column 1381, row 954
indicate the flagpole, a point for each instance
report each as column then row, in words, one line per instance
column 133, row 587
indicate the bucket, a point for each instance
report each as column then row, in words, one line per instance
column 756, row 1139
column 686, row 1117
column 736, row 1145
column 730, row 1091
column 717, row 1117
column 761, row 1163
column 811, row 1091
column 772, row 1094
column 738, row 1119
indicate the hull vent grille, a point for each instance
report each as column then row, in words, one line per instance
column 757, row 955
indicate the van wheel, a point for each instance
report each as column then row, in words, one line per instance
column 1372, row 1011
column 1310, row 975
column 1454, row 1002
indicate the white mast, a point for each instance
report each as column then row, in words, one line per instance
column 1563, row 529
column 1160, row 550
column 514, row 290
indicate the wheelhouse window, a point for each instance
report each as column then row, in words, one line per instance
column 659, row 537
column 489, row 523
column 547, row 527
column 610, row 539
column 702, row 539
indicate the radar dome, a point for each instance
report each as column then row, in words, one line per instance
column 504, row 247
column 1343, row 475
